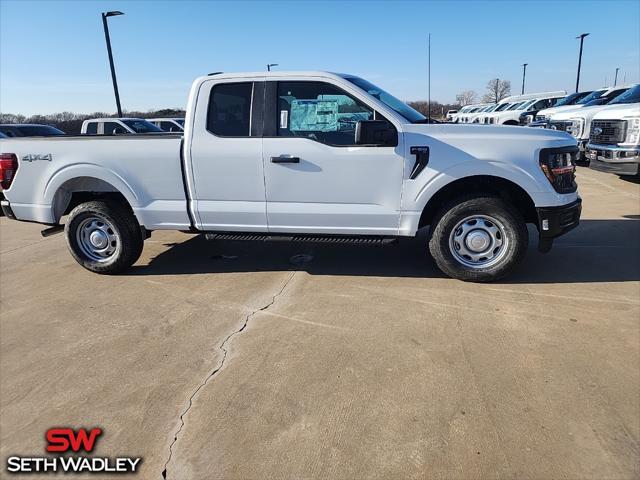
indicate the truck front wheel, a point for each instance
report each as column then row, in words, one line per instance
column 104, row 236
column 478, row 239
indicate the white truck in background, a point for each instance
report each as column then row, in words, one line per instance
column 596, row 98
column 117, row 126
column 168, row 124
column 306, row 156
column 614, row 138
column 527, row 102
column 577, row 121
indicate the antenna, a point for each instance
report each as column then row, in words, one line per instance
column 429, row 83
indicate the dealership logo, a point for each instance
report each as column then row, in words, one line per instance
column 66, row 441
column 597, row 131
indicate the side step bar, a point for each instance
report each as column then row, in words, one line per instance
column 303, row 238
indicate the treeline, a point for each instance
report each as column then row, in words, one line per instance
column 438, row 110
column 71, row 123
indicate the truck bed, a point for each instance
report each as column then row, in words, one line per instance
column 146, row 169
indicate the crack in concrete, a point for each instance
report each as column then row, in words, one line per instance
column 211, row 374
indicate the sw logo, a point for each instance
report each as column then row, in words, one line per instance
column 66, row 440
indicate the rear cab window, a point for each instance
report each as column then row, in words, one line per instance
column 229, row 111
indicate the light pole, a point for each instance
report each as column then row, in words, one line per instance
column 524, row 74
column 105, row 15
column 615, row 81
column 269, row 65
column 581, row 37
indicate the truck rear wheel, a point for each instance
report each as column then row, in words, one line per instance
column 104, row 236
column 478, row 239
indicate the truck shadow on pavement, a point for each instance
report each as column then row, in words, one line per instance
column 597, row 251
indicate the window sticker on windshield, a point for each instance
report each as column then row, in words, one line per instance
column 314, row 116
column 284, row 118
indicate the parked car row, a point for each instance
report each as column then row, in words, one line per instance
column 607, row 131
column 605, row 122
column 98, row 126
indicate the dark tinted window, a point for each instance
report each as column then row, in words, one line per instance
column 141, row 126
column 230, row 109
column 319, row 111
column 166, row 126
column 109, row 127
column 630, row 96
column 92, row 128
column 36, row 131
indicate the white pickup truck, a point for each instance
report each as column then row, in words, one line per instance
column 614, row 138
column 308, row 156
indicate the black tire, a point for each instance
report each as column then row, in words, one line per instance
column 119, row 220
column 506, row 260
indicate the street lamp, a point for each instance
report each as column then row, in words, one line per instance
column 615, row 81
column 269, row 65
column 105, row 15
column 581, row 37
column 524, row 73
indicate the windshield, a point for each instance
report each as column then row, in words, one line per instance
column 502, row 106
column 525, row 105
column 389, row 100
column 630, row 96
column 513, row 106
column 38, row 131
column 141, row 126
column 180, row 121
column 569, row 99
column 591, row 96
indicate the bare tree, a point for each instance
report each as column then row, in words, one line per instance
column 497, row 90
column 466, row 97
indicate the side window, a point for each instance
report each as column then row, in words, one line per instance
column 92, row 128
column 319, row 111
column 166, row 126
column 229, row 112
column 109, row 127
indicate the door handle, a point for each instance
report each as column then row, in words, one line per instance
column 285, row 159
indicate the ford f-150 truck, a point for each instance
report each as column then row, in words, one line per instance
column 309, row 156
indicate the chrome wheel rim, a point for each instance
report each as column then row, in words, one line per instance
column 478, row 241
column 97, row 239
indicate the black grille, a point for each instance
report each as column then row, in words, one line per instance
column 559, row 125
column 608, row 132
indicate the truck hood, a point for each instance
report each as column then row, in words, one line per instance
column 488, row 142
column 619, row 111
column 547, row 112
column 585, row 112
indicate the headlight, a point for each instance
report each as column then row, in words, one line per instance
column 576, row 127
column 558, row 165
column 633, row 130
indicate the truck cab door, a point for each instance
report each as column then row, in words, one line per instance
column 227, row 174
column 317, row 179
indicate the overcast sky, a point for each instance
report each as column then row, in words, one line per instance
column 53, row 56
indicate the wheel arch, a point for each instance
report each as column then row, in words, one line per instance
column 76, row 190
column 501, row 187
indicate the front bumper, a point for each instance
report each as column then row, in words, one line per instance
column 614, row 159
column 556, row 221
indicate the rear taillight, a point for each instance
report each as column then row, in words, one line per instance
column 8, row 168
column 559, row 166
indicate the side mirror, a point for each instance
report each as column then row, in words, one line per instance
column 118, row 131
column 376, row 132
